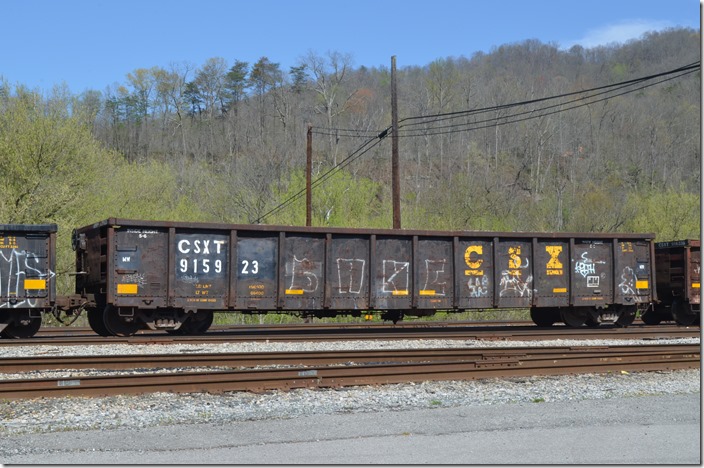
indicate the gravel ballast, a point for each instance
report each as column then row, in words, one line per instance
column 165, row 409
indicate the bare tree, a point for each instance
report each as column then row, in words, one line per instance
column 330, row 75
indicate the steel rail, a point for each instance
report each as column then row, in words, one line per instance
column 59, row 330
column 308, row 334
column 486, row 366
column 252, row 359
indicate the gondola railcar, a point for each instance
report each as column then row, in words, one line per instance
column 173, row 276
column 678, row 273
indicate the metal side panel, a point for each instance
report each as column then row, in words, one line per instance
column 303, row 272
column 201, row 269
column 256, row 262
column 513, row 274
column 347, row 285
column 694, row 283
column 434, row 273
column 27, row 276
column 551, row 270
column 592, row 267
column 138, row 269
column 633, row 282
column 391, row 272
column 474, row 276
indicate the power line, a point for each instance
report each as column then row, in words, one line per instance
column 377, row 136
column 531, row 114
column 332, row 171
column 462, row 113
column 408, row 121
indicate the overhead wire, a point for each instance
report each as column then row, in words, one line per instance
column 408, row 121
column 377, row 136
column 457, row 114
column 356, row 154
column 532, row 113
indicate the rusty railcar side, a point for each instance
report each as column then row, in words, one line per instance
column 27, row 277
column 678, row 270
column 171, row 275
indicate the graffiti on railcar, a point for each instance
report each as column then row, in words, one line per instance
column 434, row 274
column 512, row 279
column 628, row 281
column 478, row 282
column 350, row 275
column 478, row 286
column 586, row 267
column 21, row 275
column 633, row 284
column 396, row 277
column 304, row 275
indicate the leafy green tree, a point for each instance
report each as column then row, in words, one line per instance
column 236, row 84
column 263, row 77
column 48, row 160
column 341, row 201
column 671, row 215
column 210, row 79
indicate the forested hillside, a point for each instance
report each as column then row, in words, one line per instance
column 225, row 141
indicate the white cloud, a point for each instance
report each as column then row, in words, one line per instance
column 619, row 33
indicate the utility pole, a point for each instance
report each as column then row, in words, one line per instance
column 309, row 169
column 395, row 181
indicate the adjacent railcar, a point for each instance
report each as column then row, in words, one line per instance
column 678, row 283
column 173, row 276
column 27, row 277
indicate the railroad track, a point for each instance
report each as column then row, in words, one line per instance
column 337, row 369
column 297, row 333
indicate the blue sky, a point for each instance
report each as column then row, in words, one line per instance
column 91, row 44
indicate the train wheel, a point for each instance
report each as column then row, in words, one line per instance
column 392, row 315
column 593, row 319
column 201, row 322
column 545, row 316
column 117, row 325
column 95, row 320
column 651, row 317
column 574, row 316
column 627, row 315
column 683, row 315
column 21, row 325
column 196, row 324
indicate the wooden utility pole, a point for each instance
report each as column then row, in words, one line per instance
column 395, row 181
column 309, row 169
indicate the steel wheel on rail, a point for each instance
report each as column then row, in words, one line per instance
column 683, row 314
column 200, row 322
column 574, row 317
column 627, row 315
column 20, row 325
column 194, row 325
column 95, row 320
column 544, row 316
column 119, row 325
column 651, row 317
column 593, row 317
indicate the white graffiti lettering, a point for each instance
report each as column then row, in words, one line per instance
column 478, row 286
column 17, row 265
column 395, row 276
column 303, row 275
column 628, row 281
column 350, row 275
column 513, row 283
column 585, row 267
column 433, row 269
